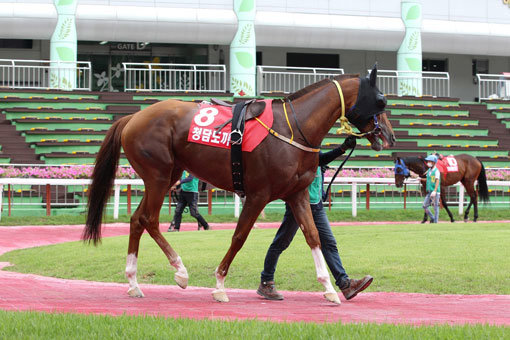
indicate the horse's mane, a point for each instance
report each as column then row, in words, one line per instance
column 318, row 84
column 413, row 160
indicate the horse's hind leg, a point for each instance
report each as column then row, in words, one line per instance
column 156, row 192
column 135, row 232
column 249, row 214
column 470, row 189
column 146, row 217
column 300, row 206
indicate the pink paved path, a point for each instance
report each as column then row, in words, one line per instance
column 33, row 292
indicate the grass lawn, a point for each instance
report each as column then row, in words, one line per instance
column 343, row 215
column 444, row 258
column 31, row 325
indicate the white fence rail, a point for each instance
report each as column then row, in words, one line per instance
column 290, row 79
column 45, row 74
column 435, row 84
column 493, row 86
column 353, row 200
column 174, row 77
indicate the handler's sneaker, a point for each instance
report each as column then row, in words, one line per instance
column 357, row 286
column 268, row 291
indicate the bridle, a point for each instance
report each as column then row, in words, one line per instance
column 345, row 126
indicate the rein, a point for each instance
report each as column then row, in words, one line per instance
column 297, row 123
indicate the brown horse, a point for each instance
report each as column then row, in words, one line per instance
column 470, row 169
column 155, row 143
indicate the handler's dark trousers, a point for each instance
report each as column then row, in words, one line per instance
column 190, row 199
column 286, row 233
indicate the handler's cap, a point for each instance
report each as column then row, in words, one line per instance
column 431, row 158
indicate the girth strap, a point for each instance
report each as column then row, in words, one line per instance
column 236, row 153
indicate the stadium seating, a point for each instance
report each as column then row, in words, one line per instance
column 67, row 128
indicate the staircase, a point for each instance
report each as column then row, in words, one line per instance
column 14, row 145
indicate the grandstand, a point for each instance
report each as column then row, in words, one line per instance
column 447, row 92
column 52, row 127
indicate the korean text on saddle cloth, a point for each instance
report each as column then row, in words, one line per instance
column 208, row 117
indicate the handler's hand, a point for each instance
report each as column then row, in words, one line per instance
column 433, row 194
column 349, row 143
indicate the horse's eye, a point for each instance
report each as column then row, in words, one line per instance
column 399, row 171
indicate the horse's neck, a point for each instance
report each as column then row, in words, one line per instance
column 417, row 169
column 320, row 109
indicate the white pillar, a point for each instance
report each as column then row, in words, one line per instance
column 116, row 201
column 461, row 198
column 237, row 205
column 354, row 191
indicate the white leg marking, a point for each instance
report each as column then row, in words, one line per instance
column 181, row 277
column 131, row 263
column 219, row 293
column 323, row 275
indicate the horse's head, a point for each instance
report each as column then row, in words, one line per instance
column 401, row 172
column 368, row 114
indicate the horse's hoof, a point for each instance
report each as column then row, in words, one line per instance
column 220, row 296
column 422, row 222
column 181, row 280
column 135, row 292
column 332, row 297
column 466, row 220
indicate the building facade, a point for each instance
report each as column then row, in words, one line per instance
column 461, row 37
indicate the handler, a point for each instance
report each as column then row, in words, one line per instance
column 187, row 197
column 349, row 287
column 433, row 188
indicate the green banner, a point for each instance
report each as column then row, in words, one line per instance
column 243, row 50
column 63, row 46
column 409, row 55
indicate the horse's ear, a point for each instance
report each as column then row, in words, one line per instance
column 397, row 160
column 373, row 75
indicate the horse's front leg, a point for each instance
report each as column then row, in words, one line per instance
column 251, row 210
column 445, row 205
column 300, row 205
column 424, row 192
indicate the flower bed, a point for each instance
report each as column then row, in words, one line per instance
column 85, row 171
column 67, row 172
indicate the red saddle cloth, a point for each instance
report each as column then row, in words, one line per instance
column 202, row 129
column 447, row 164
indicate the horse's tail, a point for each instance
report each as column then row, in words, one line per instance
column 483, row 190
column 102, row 180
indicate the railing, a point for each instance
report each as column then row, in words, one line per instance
column 410, row 83
column 346, row 193
column 283, row 79
column 45, row 74
column 493, row 86
column 174, row 77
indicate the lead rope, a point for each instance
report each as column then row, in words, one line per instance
column 338, row 170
